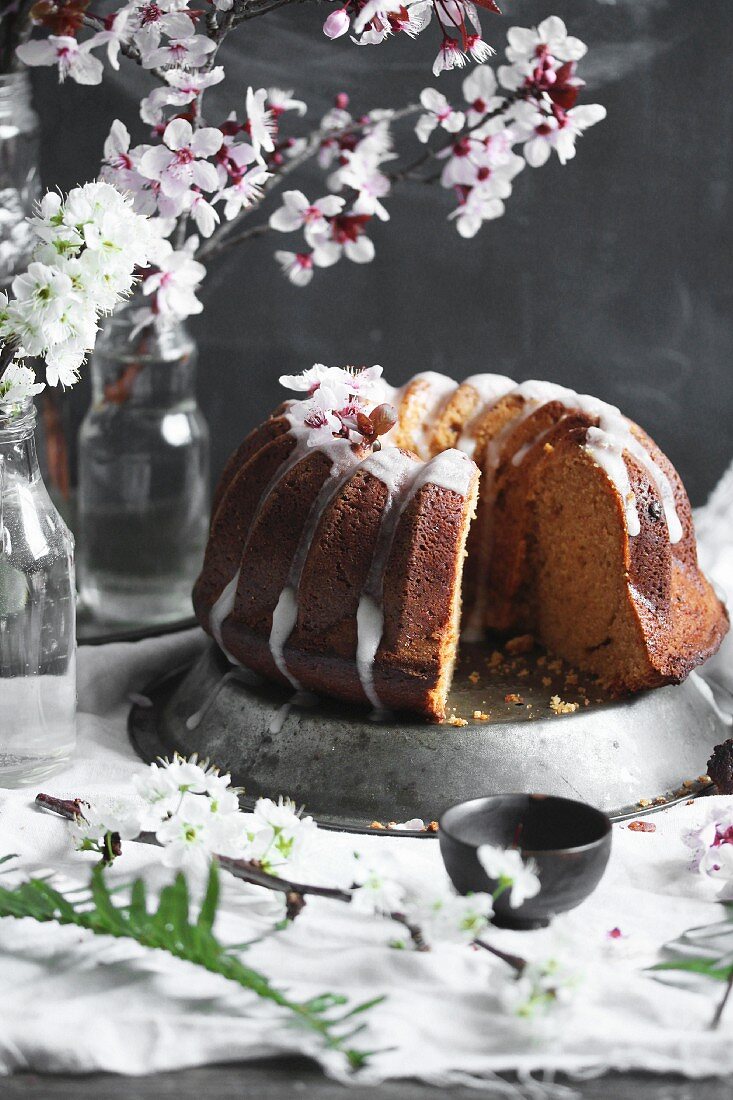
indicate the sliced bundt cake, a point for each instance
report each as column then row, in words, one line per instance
column 337, row 567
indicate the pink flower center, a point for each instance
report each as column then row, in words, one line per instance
column 149, row 13
column 479, row 105
column 723, row 837
column 185, row 155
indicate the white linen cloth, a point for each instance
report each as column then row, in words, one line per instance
column 72, row 1002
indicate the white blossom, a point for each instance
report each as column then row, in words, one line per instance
column 18, row 382
column 439, row 113
column 509, row 870
column 277, row 834
column 450, row 56
column 180, row 162
column 542, row 133
column 73, row 58
column 280, row 100
column 261, row 121
column 376, row 885
column 89, row 829
column 297, row 212
column 446, row 917
column 189, row 52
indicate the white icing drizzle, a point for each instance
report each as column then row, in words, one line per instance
column 243, row 675
column 300, row 699
column 489, row 387
column 605, row 443
column 449, row 470
column 285, row 615
column 221, row 610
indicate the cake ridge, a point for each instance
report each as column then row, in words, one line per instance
column 389, row 635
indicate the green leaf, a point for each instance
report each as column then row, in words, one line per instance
column 696, row 966
column 207, row 913
column 169, row 928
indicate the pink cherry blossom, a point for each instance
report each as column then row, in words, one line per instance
column 297, row 212
column 244, row 191
column 262, row 125
column 450, row 56
column 178, row 163
column 557, row 130
column 186, row 53
column 73, row 58
column 336, row 24
column 175, row 282
column 439, row 113
column 280, row 100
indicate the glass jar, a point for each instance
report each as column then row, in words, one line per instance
column 19, row 183
column 37, row 612
column 143, row 498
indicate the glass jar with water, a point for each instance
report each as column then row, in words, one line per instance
column 143, row 503
column 37, row 612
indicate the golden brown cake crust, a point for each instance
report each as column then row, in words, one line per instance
column 549, row 552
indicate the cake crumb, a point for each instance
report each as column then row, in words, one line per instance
column 548, row 448
column 660, row 800
column 554, row 666
column 690, row 802
column 496, row 659
column 376, row 825
column 541, row 661
column 704, row 779
column 559, row 706
column 642, row 827
column 644, row 802
column 473, row 677
column 523, row 643
column 512, row 697
column 432, row 827
column 571, row 678
column 454, row 720
column 546, row 681
column 391, row 824
column 688, row 784
column 523, row 672
column 481, row 716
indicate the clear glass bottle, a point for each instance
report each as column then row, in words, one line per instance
column 143, row 498
column 19, row 183
column 37, row 612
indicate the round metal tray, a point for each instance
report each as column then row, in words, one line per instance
column 349, row 771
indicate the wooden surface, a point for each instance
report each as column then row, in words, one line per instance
column 291, row 1078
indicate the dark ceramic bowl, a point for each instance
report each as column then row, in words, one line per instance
column 569, row 841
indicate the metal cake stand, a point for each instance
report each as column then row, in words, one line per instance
column 528, row 735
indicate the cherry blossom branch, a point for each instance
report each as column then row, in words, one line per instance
column 429, row 154
column 249, row 871
column 128, row 49
column 224, row 238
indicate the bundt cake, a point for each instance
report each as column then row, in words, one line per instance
column 340, row 528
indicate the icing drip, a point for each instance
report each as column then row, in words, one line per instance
column 285, row 615
column 605, row 443
column 221, row 610
column 300, row 699
column 242, row 675
column 449, row 470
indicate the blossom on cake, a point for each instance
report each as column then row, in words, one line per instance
column 342, row 404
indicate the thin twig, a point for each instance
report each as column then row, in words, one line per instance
column 715, row 1022
column 295, row 892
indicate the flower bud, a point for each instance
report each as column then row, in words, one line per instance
column 337, row 24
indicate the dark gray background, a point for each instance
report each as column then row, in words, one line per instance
column 611, row 275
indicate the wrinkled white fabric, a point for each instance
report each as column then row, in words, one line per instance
column 73, row 1002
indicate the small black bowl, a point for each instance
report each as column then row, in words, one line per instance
column 569, row 841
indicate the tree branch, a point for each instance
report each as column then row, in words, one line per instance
column 295, row 892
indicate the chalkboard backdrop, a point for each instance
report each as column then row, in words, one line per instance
column 611, row 275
